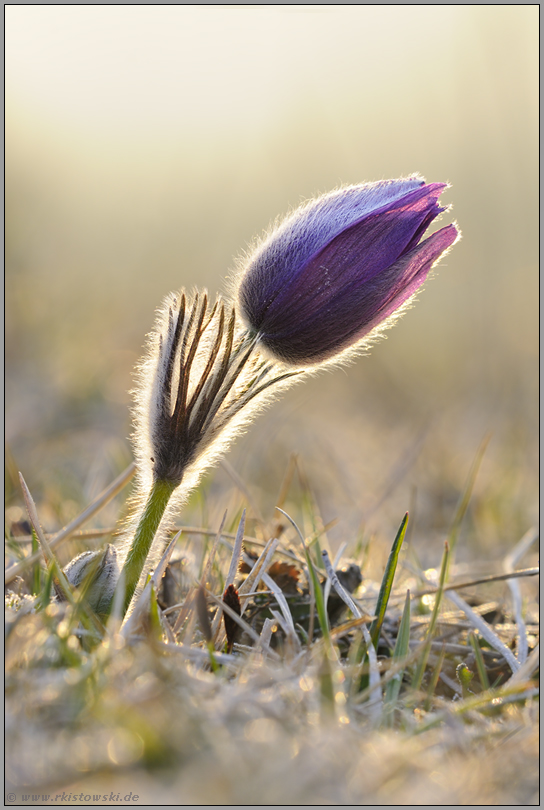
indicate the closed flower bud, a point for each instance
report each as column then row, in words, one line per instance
column 340, row 267
column 97, row 573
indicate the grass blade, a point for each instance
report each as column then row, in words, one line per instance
column 105, row 497
column 402, row 648
column 315, row 584
column 384, row 593
column 387, row 582
column 422, row 663
column 480, row 663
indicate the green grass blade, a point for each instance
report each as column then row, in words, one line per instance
column 402, row 648
column 387, row 582
column 434, row 678
column 44, row 597
column 383, row 596
column 36, row 570
column 480, row 663
column 422, row 663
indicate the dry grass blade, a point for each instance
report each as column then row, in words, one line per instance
column 485, row 700
column 317, row 602
column 244, row 625
column 374, row 667
column 284, row 607
column 527, row 669
column 348, row 627
column 260, row 567
column 338, row 587
column 522, row 645
column 525, row 572
column 236, row 551
column 266, row 633
column 84, row 534
column 45, row 546
column 252, row 541
column 485, row 630
column 185, row 609
column 105, row 497
column 335, row 565
column 202, row 614
column 233, row 569
column 211, row 556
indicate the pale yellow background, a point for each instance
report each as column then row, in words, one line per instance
column 147, row 145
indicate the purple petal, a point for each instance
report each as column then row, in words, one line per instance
column 308, row 230
column 362, row 251
column 351, row 315
column 340, row 266
column 277, row 293
column 410, row 273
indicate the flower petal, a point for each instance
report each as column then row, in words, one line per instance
column 355, row 312
column 278, row 259
column 339, row 266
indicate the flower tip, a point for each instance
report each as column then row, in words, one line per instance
column 452, row 234
column 341, row 265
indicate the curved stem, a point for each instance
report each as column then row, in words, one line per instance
column 146, row 530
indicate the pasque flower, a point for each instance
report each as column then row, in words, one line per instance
column 329, row 276
column 200, row 382
column 340, row 267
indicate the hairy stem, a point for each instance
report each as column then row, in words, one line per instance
column 146, row 530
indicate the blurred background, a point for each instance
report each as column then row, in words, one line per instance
column 147, row 145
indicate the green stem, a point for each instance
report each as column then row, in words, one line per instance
column 157, row 502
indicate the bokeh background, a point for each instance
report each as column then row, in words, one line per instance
column 147, row 145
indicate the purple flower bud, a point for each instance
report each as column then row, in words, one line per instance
column 340, row 266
